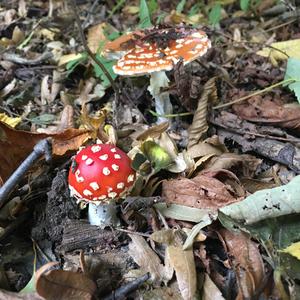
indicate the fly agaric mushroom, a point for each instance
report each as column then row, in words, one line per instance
column 99, row 174
column 159, row 50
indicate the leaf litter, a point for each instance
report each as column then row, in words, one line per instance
column 214, row 210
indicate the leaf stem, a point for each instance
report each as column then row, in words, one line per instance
column 283, row 82
column 170, row 115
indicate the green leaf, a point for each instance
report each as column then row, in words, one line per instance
column 144, row 14
column 264, row 204
column 159, row 158
column 71, row 65
column 180, row 6
column 44, row 119
column 181, row 212
column 293, row 72
column 244, row 4
column 138, row 160
column 152, row 6
column 108, row 64
column 214, row 15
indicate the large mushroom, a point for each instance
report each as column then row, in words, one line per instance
column 157, row 51
column 99, row 174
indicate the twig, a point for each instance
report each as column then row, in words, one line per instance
column 24, row 61
column 43, row 147
column 132, row 232
column 287, row 81
column 90, row 53
column 124, row 290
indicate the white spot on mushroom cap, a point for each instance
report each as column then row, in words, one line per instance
column 95, row 148
column 87, row 193
column 103, row 157
column 89, row 162
column 78, row 178
column 130, row 178
column 117, row 156
column 95, row 186
column 84, row 157
column 115, row 167
column 109, row 188
column 120, row 185
column 113, row 150
column 112, row 195
column 106, row 171
column 102, row 197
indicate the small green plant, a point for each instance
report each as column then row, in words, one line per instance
column 292, row 74
column 144, row 14
column 214, row 15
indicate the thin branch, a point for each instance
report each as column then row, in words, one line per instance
column 283, row 82
column 90, row 53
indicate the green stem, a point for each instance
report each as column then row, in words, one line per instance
column 283, row 82
column 170, row 115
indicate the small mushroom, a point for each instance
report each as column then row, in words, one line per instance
column 99, row 174
column 158, row 51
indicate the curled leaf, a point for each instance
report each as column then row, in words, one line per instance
column 199, row 126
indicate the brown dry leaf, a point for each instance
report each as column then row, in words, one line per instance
column 96, row 37
column 15, row 145
column 146, row 258
column 184, row 265
column 17, row 37
column 94, row 123
column 243, row 164
column 266, row 111
column 254, row 185
column 198, row 128
column 63, row 285
column 153, row 132
column 211, row 146
column 204, row 191
column 246, row 261
column 210, row 290
column 182, row 261
column 6, row 295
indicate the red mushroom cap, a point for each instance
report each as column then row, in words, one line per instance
column 149, row 56
column 101, row 172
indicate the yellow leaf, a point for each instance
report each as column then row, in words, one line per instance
column 64, row 59
column 13, row 122
column 285, row 50
column 293, row 249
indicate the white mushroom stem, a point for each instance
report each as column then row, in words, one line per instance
column 163, row 106
column 103, row 215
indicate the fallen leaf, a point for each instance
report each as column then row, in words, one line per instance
column 199, row 126
column 210, row 290
column 241, row 164
column 64, row 285
column 293, row 72
column 269, row 112
column 146, row 258
column 6, row 295
column 13, row 122
column 203, row 191
column 246, row 261
column 181, row 212
column 264, row 204
column 285, row 50
column 293, row 249
column 64, row 59
column 183, row 263
column 96, row 37
column 16, row 145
